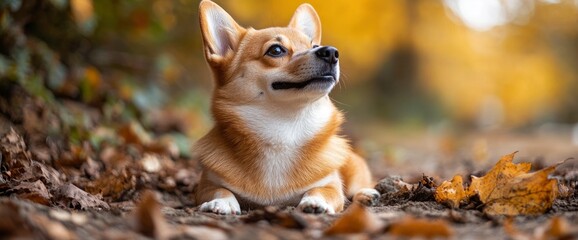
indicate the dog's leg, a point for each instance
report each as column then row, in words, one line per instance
column 215, row 198
column 326, row 199
column 357, row 180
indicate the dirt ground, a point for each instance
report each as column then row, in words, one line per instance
column 130, row 184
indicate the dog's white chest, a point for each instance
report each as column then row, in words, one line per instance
column 284, row 134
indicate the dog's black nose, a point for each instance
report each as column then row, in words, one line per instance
column 328, row 54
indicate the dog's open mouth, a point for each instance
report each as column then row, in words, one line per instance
column 300, row 85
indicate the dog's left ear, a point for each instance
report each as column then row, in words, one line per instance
column 306, row 20
column 221, row 34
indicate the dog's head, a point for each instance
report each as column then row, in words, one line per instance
column 285, row 65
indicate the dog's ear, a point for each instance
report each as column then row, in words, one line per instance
column 306, row 20
column 220, row 32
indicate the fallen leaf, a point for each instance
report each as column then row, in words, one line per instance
column 113, row 185
column 411, row 227
column 498, row 176
column 357, row 219
column 507, row 189
column 148, row 218
column 32, row 191
column 75, row 197
column 451, row 192
column 16, row 158
column 529, row 193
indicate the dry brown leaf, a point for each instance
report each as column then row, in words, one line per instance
column 33, row 191
column 148, row 218
column 75, row 197
column 451, row 192
column 529, row 193
column 113, row 185
column 357, row 219
column 411, row 227
column 15, row 156
column 498, row 176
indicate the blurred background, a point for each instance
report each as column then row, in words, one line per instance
column 425, row 82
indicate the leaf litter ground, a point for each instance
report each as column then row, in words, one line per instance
column 134, row 185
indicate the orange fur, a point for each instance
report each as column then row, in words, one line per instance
column 243, row 158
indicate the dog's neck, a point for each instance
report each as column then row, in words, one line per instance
column 279, row 126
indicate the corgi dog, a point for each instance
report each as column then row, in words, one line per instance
column 275, row 137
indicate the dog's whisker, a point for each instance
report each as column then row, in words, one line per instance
column 340, row 103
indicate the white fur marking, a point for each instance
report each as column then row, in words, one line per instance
column 285, row 132
column 315, row 202
column 228, row 205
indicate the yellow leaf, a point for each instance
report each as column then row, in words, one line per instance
column 499, row 175
column 529, row 193
column 507, row 189
column 451, row 192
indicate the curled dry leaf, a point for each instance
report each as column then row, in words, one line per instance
column 32, row 191
column 15, row 156
column 411, row 227
column 451, row 192
column 113, row 185
column 148, row 218
column 357, row 219
column 75, row 197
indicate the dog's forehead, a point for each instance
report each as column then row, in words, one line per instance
column 282, row 35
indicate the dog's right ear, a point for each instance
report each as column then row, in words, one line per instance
column 220, row 32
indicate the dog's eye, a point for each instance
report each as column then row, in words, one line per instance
column 276, row 51
column 315, row 46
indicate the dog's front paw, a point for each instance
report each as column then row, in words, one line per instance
column 315, row 204
column 222, row 206
column 366, row 196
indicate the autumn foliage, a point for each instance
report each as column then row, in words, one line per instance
column 507, row 189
